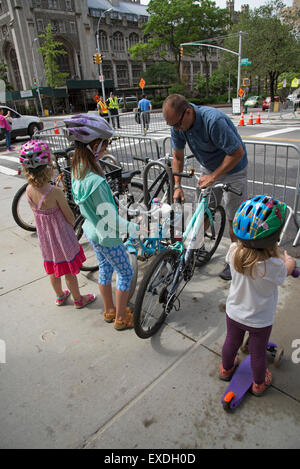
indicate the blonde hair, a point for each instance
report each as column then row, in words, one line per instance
column 84, row 161
column 38, row 178
column 245, row 258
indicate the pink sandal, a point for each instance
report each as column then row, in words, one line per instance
column 60, row 301
column 81, row 304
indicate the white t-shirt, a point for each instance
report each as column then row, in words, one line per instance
column 253, row 301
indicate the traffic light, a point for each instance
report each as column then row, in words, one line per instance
column 34, row 82
column 181, row 52
column 97, row 58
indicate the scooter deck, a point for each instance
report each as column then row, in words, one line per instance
column 239, row 384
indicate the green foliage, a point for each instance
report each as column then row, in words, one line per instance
column 177, row 88
column 160, row 74
column 3, row 75
column 173, row 22
column 50, row 50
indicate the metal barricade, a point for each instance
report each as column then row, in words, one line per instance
column 54, row 137
column 273, row 169
column 287, row 108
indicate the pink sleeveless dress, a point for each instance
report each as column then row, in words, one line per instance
column 60, row 248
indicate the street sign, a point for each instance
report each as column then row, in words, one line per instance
column 246, row 82
column 101, row 78
column 295, row 83
column 142, row 83
column 241, row 92
column 236, row 106
column 246, row 62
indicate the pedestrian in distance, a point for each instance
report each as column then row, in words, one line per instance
column 62, row 254
column 5, row 124
column 102, row 107
column 145, row 106
column 103, row 226
column 216, row 144
column 257, row 270
column 113, row 106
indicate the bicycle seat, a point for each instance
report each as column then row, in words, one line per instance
column 128, row 175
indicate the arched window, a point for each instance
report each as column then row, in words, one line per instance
column 118, row 42
column 133, row 39
column 103, row 41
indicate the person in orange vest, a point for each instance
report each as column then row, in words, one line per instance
column 102, row 107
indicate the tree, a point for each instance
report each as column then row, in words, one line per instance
column 270, row 43
column 173, row 22
column 160, row 74
column 50, row 50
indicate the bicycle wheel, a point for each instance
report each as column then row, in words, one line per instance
column 21, row 210
column 134, row 264
column 149, row 311
column 212, row 236
column 132, row 198
column 91, row 263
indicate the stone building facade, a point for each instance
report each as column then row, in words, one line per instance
column 75, row 24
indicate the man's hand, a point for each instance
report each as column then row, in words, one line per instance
column 206, row 181
column 178, row 194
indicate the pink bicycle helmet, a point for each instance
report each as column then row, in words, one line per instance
column 34, row 154
column 86, row 128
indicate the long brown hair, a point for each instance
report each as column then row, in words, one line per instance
column 245, row 259
column 84, row 161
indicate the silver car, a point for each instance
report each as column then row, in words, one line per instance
column 21, row 126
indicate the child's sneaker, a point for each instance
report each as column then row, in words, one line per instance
column 259, row 389
column 225, row 375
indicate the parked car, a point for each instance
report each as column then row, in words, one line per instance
column 266, row 104
column 21, row 125
column 254, row 101
column 131, row 102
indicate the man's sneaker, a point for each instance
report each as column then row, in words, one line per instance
column 225, row 375
column 226, row 274
column 259, row 389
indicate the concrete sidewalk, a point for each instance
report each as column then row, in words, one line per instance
column 71, row 381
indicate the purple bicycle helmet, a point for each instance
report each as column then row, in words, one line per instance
column 34, row 154
column 258, row 221
column 86, row 128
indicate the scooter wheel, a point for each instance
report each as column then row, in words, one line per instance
column 278, row 357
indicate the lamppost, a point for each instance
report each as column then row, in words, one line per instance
column 100, row 67
column 36, row 76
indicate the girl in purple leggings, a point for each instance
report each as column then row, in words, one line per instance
column 257, row 270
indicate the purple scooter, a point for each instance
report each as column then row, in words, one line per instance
column 242, row 379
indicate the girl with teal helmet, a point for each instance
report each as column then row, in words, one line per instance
column 258, row 221
column 257, row 270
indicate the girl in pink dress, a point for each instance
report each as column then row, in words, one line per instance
column 62, row 254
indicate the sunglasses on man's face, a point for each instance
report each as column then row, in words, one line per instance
column 178, row 124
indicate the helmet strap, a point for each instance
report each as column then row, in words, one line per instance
column 96, row 153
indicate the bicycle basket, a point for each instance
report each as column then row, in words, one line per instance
column 113, row 175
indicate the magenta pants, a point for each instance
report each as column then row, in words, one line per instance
column 258, row 340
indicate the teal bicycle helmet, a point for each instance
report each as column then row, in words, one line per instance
column 258, row 221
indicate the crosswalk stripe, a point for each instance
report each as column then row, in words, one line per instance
column 10, row 158
column 8, row 171
column 276, row 132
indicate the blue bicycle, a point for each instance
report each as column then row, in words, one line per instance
column 173, row 268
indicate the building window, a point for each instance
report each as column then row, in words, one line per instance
column 68, row 5
column 133, row 39
column 72, row 27
column 103, row 41
column 108, row 71
column 40, row 26
column 118, row 42
column 122, row 75
column 15, row 68
column 61, row 27
column 52, row 4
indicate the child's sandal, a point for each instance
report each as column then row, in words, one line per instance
column 127, row 323
column 110, row 317
column 60, row 301
column 84, row 301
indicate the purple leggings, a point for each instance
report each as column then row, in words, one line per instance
column 258, row 340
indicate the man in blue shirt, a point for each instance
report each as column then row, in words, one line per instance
column 145, row 107
column 216, row 144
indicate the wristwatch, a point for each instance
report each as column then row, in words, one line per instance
column 178, row 186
